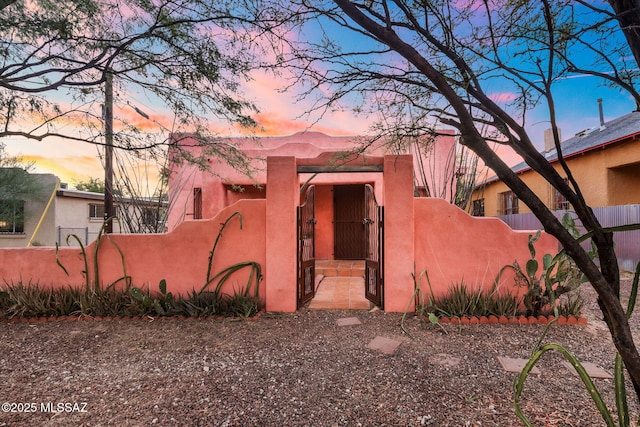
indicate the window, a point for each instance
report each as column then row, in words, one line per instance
column 508, row 203
column 558, row 201
column 96, row 211
column 11, row 216
column 197, row 203
column 478, row 207
column 150, row 216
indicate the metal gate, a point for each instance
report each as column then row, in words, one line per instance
column 306, row 248
column 373, row 258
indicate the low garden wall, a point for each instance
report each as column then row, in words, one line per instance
column 435, row 236
column 454, row 247
column 180, row 257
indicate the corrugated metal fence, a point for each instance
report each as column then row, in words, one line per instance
column 627, row 242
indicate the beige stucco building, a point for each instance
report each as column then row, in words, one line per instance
column 604, row 160
column 53, row 212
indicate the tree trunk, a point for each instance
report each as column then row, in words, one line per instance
column 606, row 282
column 628, row 15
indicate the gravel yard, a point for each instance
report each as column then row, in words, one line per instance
column 291, row 370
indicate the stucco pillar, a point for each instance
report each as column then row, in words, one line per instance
column 283, row 195
column 398, row 232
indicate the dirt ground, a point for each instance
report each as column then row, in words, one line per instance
column 292, row 370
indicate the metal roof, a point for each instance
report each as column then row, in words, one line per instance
column 613, row 131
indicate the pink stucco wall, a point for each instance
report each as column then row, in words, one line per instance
column 454, row 246
column 180, row 257
column 315, row 147
column 398, row 232
column 283, row 195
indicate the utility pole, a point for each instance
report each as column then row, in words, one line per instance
column 109, row 212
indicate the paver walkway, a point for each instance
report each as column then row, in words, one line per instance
column 341, row 286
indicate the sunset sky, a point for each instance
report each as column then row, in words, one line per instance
column 281, row 115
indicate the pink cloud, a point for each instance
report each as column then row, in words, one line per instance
column 503, row 97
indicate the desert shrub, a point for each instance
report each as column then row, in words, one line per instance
column 240, row 304
column 31, row 300
column 199, row 304
column 571, row 304
column 556, row 276
column 460, row 301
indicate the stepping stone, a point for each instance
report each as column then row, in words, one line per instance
column 593, row 370
column 349, row 321
column 445, row 360
column 384, row 345
column 515, row 365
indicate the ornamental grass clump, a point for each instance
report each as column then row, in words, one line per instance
column 33, row 300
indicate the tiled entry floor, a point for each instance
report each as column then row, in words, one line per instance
column 342, row 287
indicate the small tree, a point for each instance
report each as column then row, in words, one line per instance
column 17, row 185
column 186, row 58
column 94, row 185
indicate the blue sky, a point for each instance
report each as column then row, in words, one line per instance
column 280, row 115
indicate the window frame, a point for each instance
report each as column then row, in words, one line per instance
column 478, row 207
column 94, row 206
column 197, row 203
column 508, row 202
column 559, row 201
column 16, row 224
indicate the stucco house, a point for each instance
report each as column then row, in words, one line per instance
column 307, row 202
column 49, row 215
column 197, row 193
column 605, row 161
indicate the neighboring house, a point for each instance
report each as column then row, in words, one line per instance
column 604, row 160
column 53, row 213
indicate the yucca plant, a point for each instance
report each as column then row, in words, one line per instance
column 28, row 300
column 199, row 304
column 104, row 302
column 461, row 301
column 457, row 302
column 241, row 305
column 502, row 304
column 65, row 301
